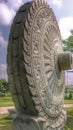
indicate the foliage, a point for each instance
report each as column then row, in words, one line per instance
column 68, row 90
column 66, row 97
column 68, row 93
column 70, row 96
column 4, row 86
column 68, row 43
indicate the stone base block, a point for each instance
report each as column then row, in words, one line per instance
column 27, row 122
column 24, row 122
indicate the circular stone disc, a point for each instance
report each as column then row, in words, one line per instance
column 36, row 81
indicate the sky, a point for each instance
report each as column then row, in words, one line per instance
column 63, row 10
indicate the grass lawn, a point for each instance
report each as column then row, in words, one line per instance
column 69, row 123
column 6, row 101
column 5, row 123
column 68, row 101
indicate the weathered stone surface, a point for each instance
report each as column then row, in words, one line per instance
column 35, row 67
column 65, row 61
column 24, row 122
column 12, row 113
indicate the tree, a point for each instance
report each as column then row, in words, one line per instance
column 68, row 43
column 70, row 95
column 4, row 87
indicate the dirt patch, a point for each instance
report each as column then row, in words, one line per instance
column 4, row 110
column 68, row 105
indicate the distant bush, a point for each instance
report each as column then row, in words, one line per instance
column 2, row 94
column 70, row 95
column 4, row 87
column 68, row 90
column 8, row 94
column 66, row 97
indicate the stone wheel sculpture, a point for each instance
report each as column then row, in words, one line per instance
column 35, row 63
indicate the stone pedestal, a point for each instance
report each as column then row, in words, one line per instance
column 28, row 122
column 25, row 122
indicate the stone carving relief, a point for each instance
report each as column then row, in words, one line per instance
column 36, row 63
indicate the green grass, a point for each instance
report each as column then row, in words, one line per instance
column 5, row 123
column 69, row 123
column 68, row 101
column 6, row 101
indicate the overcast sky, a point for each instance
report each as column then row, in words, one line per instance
column 63, row 10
